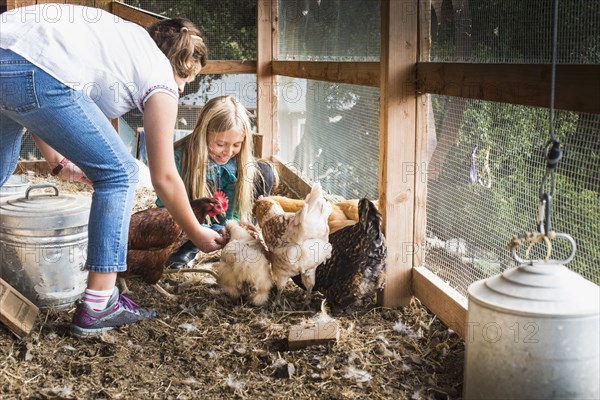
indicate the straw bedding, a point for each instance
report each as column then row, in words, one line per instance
column 203, row 345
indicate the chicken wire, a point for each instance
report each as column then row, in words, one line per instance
column 329, row 30
column 29, row 150
column 228, row 26
column 514, row 31
column 329, row 133
column 483, row 184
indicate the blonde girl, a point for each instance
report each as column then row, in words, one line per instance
column 217, row 157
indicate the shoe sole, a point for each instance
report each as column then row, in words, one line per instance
column 83, row 333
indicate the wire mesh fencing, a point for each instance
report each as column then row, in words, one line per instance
column 484, row 183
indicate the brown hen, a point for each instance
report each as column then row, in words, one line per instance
column 356, row 268
column 343, row 213
column 154, row 235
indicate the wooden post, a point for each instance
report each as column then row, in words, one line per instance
column 266, row 95
column 422, row 131
column 397, row 126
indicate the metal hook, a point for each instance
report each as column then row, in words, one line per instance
column 557, row 235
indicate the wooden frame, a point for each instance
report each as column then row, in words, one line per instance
column 266, row 103
column 449, row 305
column 577, row 86
column 397, row 127
column 405, row 78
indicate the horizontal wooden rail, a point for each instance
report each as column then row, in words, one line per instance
column 355, row 73
column 577, row 86
column 12, row 4
column 229, row 67
column 441, row 299
column 134, row 14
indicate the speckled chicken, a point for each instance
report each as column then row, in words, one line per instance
column 244, row 270
column 356, row 268
column 297, row 242
column 154, row 235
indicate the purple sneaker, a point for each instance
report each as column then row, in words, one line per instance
column 119, row 311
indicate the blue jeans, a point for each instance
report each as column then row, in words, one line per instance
column 74, row 126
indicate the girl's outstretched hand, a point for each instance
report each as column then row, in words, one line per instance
column 210, row 241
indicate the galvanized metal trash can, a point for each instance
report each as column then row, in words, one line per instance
column 43, row 245
column 533, row 333
column 15, row 186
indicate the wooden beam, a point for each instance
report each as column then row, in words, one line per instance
column 12, row 4
column 354, row 73
column 295, row 183
column 441, row 299
column 577, row 86
column 134, row 14
column 229, row 67
column 266, row 97
column 87, row 3
column 38, row 167
column 422, row 141
column 104, row 4
column 397, row 126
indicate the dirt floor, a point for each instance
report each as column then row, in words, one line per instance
column 204, row 345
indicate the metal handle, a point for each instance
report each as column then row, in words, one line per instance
column 41, row 186
column 557, row 235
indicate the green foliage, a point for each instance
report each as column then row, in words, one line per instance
column 489, row 217
column 229, row 26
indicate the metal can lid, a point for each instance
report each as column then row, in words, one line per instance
column 14, row 185
column 44, row 211
column 544, row 289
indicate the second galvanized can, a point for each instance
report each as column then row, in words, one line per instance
column 532, row 333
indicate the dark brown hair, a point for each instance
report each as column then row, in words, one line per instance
column 181, row 41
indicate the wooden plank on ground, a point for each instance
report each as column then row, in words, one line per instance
column 355, row 73
column 397, row 127
column 16, row 311
column 441, row 299
column 577, row 86
column 301, row 336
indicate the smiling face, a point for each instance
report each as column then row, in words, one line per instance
column 223, row 146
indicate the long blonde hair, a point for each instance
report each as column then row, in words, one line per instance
column 220, row 114
column 181, row 41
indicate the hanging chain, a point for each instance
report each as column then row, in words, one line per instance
column 552, row 154
column 552, row 150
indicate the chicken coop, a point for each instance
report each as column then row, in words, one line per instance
column 439, row 111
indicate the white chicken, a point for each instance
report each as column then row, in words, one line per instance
column 244, row 270
column 297, row 242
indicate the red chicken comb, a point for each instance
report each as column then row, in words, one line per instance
column 222, row 199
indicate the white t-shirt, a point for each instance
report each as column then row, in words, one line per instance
column 115, row 63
